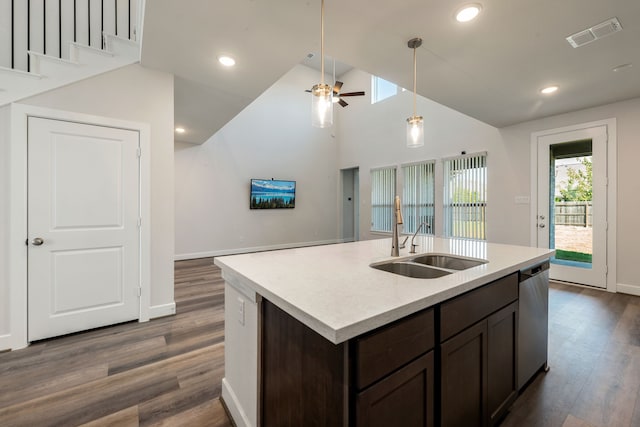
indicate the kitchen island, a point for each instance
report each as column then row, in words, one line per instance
column 309, row 315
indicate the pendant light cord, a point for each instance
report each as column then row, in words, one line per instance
column 322, row 42
column 415, row 71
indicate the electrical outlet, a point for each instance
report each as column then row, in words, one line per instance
column 241, row 311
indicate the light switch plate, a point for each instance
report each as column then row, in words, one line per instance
column 241, row 311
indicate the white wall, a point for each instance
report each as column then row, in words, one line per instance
column 374, row 135
column 627, row 115
column 271, row 138
column 4, row 224
column 135, row 93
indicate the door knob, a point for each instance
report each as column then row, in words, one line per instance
column 541, row 226
column 37, row 241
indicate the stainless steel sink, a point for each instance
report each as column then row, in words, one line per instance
column 447, row 261
column 410, row 269
column 428, row 266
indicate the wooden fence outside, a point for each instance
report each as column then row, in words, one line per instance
column 574, row 213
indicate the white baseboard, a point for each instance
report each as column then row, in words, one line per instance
column 240, row 419
column 628, row 289
column 222, row 252
column 5, row 342
column 156, row 311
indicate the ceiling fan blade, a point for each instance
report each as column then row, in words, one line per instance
column 342, row 102
column 308, row 90
column 337, row 87
column 361, row 93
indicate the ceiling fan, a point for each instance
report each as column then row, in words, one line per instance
column 337, row 96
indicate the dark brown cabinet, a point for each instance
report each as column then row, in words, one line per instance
column 463, row 371
column 502, row 358
column 394, row 373
column 479, row 355
column 404, row 398
column 451, row 365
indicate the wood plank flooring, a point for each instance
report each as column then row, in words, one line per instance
column 167, row 372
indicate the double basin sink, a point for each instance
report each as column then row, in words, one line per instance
column 428, row 266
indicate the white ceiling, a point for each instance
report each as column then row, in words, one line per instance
column 490, row 69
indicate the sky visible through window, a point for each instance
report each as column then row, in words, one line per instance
column 382, row 89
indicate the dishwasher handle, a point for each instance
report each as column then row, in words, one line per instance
column 533, row 271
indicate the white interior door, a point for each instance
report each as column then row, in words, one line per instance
column 573, row 265
column 83, row 211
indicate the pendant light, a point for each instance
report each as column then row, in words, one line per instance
column 415, row 123
column 321, row 94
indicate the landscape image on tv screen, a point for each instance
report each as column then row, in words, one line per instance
column 272, row 194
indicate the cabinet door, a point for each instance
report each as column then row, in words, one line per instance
column 404, row 398
column 463, row 385
column 502, row 374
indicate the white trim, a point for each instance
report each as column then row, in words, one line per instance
column 238, row 415
column 612, row 189
column 18, row 211
column 234, row 251
column 5, row 342
column 162, row 310
column 628, row 289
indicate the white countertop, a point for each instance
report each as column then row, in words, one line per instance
column 333, row 290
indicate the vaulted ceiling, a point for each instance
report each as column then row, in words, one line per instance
column 491, row 68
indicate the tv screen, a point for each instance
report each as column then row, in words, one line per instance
column 272, row 194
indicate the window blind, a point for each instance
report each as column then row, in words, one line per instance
column 465, row 196
column 383, row 191
column 418, row 194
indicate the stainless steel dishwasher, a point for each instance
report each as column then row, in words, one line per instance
column 533, row 321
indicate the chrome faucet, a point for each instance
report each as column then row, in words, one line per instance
column 413, row 246
column 397, row 220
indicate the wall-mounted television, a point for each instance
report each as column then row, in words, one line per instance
column 272, row 194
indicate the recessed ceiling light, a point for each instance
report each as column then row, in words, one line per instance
column 623, row 67
column 548, row 90
column 179, row 130
column 227, row 61
column 468, row 12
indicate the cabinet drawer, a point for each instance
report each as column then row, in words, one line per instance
column 465, row 310
column 384, row 350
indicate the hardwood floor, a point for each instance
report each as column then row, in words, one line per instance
column 594, row 356
column 167, row 372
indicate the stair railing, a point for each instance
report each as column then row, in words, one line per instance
column 48, row 26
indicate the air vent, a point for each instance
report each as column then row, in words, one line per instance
column 594, row 33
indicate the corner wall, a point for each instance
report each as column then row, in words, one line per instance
column 271, row 138
column 4, row 226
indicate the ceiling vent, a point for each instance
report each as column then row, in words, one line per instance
column 594, row 33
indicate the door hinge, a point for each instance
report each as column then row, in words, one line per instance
column 139, row 152
column 139, row 292
column 139, row 222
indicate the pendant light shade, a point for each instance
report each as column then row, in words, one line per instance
column 322, row 94
column 321, row 105
column 415, row 123
column 415, row 132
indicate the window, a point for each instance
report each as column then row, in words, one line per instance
column 418, row 197
column 381, row 89
column 383, row 191
column 465, row 196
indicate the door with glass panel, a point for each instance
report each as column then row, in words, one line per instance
column 572, row 203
